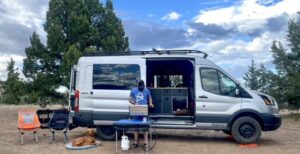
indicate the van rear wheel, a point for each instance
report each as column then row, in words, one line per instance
column 106, row 133
column 246, row 130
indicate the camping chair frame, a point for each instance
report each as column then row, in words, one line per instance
column 28, row 125
column 52, row 131
column 61, row 118
column 22, row 132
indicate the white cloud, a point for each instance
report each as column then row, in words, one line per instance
column 18, row 12
column 150, row 15
column 255, row 25
column 248, row 11
column 4, row 59
column 18, row 20
column 171, row 16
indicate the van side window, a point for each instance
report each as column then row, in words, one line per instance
column 216, row 82
column 115, row 76
column 227, row 86
column 73, row 80
column 209, row 80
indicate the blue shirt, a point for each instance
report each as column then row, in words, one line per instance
column 140, row 97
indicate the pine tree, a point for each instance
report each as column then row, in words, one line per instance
column 259, row 78
column 281, row 60
column 67, row 23
column 72, row 27
column 70, row 58
column 288, row 64
column 293, row 38
column 251, row 77
column 38, row 67
column 112, row 34
column 13, row 86
column 265, row 79
column 36, row 58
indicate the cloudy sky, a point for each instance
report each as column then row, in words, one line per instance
column 232, row 32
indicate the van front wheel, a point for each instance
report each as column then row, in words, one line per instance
column 106, row 133
column 246, row 130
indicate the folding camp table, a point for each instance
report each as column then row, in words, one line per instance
column 132, row 125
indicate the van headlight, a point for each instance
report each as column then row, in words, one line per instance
column 268, row 100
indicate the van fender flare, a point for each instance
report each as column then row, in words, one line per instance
column 245, row 112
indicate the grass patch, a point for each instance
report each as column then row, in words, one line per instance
column 295, row 116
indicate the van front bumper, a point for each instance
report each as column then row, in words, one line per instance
column 271, row 122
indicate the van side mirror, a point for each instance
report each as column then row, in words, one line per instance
column 237, row 91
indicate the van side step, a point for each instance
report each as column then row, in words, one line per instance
column 172, row 122
column 193, row 126
column 169, row 116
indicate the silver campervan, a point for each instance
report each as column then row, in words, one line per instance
column 188, row 91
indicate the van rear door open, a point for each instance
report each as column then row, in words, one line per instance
column 111, row 83
column 73, row 85
column 86, row 92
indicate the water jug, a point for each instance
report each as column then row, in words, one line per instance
column 125, row 143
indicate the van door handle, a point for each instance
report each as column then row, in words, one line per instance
column 91, row 93
column 203, row 96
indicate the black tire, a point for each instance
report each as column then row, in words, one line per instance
column 106, row 133
column 227, row 132
column 246, row 130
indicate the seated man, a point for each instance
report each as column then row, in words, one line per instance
column 140, row 96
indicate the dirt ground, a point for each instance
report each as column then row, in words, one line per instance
column 285, row 140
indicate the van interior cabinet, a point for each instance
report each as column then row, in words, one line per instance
column 157, row 99
column 167, row 100
column 167, row 105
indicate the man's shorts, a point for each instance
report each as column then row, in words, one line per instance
column 139, row 129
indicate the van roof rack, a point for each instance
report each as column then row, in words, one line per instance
column 153, row 51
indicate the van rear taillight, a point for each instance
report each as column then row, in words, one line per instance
column 76, row 104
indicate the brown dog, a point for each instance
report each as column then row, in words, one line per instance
column 88, row 139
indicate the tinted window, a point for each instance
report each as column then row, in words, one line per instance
column 74, row 80
column 115, row 76
column 216, row 82
column 227, row 86
column 244, row 94
column 209, row 79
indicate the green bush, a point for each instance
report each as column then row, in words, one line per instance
column 31, row 98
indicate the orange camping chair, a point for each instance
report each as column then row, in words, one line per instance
column 28, row 121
